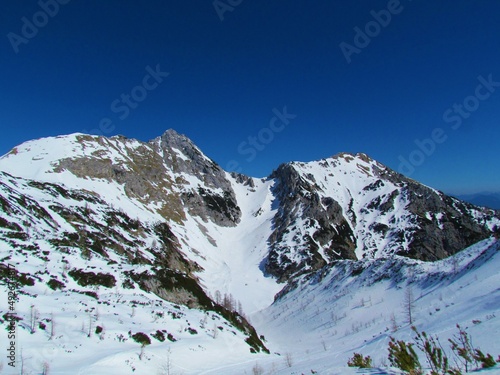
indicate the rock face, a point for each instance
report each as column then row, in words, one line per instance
column 323, row 227
column 215, row 201
column 349, row 207
column 80, row 228
column 443, row 225
column 344, row 207
column 169, row 170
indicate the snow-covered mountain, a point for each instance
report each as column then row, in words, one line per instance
column 352, row 207
column 155, row 237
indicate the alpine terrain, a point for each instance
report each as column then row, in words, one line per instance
column 148, row 258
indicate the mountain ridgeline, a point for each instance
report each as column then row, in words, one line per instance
column 151, row 217
column 344, row 207
column 351, row 207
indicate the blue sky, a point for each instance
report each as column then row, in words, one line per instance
column 415, row 73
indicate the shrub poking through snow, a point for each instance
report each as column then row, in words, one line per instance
column 142, row 339
column 403, row 356
column 358, row 360
column 461, row 344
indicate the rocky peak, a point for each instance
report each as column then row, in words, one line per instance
column 310, row 229
column 213, row 197
column 349, row 206
column 182, row 155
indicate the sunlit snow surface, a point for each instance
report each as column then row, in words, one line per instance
column 317, row 325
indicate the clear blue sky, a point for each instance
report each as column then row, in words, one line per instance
column 227, row 76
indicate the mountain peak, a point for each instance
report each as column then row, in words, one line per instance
column 351, row 155
column 171, row 139
column 173, row 135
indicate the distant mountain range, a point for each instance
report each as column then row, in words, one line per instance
column 490, row 200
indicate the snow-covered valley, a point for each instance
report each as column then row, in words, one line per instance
column 108, row 238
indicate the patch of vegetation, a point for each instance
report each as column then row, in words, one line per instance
column 55, row 284
column 90, row 278
column 176, row 282
column 127, row 284
column 33, row 207
column 171, row 284
column 121, row 219
column 468, row 355
column 11, row 317
column 86, row 293
column 19, row 278
column 7, row 224
column 98, row 247
column 17, row 235
column 374, row 185
column 68, row 240
column 163, row 231
column 159, row 335
column 141, row 338
column 403, row 356
column 357, row 269
column 171, row 338
column 359, row 361
column 379, row 228
column 4, row 203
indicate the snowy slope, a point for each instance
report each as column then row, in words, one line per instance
column 329, row 315
column 75, row 262
column 232, row 255
column 162, row 226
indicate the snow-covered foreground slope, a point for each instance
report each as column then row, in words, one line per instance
column 316, row 325
column 327, row 316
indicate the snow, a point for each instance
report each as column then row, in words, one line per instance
column 318, row 324
column 345, row 177
column 323, row 322
column 232, row 256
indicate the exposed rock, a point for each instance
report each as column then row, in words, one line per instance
column 391, row 214
column 183, row 157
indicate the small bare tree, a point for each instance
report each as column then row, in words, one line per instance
column 33, row 319
column 323, row 344
column 455, row 264
column 91, row 325
column 203, row 322
column 218, row 297
column 52, row 326
column 288, row 359
column 166, row 366
column 45, row 368
column 215, row 331
column 257, row 369
column 141, row 354
column 394, row 323
column 409, row 304
column 22, row 362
